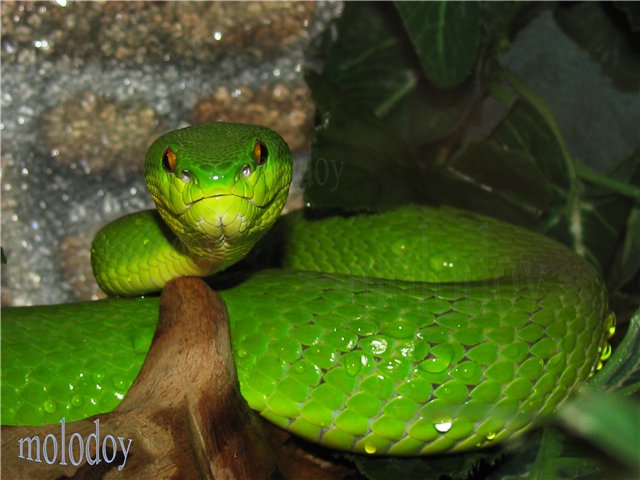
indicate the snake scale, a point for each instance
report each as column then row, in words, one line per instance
column 413, row 331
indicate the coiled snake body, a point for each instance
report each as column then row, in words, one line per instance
column 414, row 331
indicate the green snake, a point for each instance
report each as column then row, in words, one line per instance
column 413, row 331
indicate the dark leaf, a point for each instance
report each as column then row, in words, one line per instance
column 630, row 259
column 372, row 60
column 356, row 162
column 428, row 114
column 546, row 455
column 632, row 12
column 622, row 371
column 598, row 122
column 528, row 129
column 588, row 217
column 488, row 179
column 608, row 420
column 446, row 37
column 597, row 27
column 606, row 217
column 453, row 467
column 500, row 19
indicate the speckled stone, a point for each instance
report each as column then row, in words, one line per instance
column 287, row 110
column 86, row 85
column 145, row 32
column 75, row 256
column 106, row 134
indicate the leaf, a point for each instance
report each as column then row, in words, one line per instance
column 529, row 128
column 606, row 218
column 391, row 469
column 595, row 26
column 488, row 179
column 428, row 114
column 372, row 60
column 622, row 371
column 446, row 37
column 356, row 162
column 598, row 122
column 501, row 19
column 509, row 175
column 632, row 11
column 630, row 260
column 596, row 224
column 589, row 218
column 453, row 467
column 546, row 455
column 625, row 262
column 608, row 420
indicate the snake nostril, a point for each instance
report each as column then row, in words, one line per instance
column 185, row 176
column 246, row 170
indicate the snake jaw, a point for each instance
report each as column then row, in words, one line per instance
column 250, row 199
column 188, row 205
column 218, row 226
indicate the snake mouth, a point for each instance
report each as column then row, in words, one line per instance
column 191, row 204
column 240, row 197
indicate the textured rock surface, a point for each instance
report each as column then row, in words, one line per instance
column 87, row 85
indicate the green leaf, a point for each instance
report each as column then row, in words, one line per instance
column 599, row 123
column 604, row 214
column 429, row 114
column 446, row 37
column 372, row 60
column 529, row 128
column 608, row 420
column 597, row 223
column 630, row 260
column 622, row 371
column 489, row 179
column 547, row 454
column 500, row 19
column 588, row 218
column 356, row 162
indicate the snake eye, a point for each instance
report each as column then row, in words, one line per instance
column 260, row 152
column 169, row 160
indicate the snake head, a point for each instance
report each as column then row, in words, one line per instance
column 219, row 186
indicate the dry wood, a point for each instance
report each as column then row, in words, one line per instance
column 184, row 412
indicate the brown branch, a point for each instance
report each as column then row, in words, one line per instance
column 183, row 414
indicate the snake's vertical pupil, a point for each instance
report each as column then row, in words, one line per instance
column 260, row 152
column 169, row 160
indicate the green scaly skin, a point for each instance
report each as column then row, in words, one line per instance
column 416, row 331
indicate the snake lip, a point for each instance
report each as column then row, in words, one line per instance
column 220, row 195
column 247, row 199
column 190, row 204
column 271, row 200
